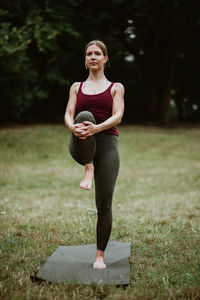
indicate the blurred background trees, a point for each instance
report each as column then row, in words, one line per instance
column 153, row 50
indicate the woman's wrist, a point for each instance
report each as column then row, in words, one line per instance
column 98, row 128
column 70, row 125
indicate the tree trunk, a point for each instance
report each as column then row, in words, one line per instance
column 159, row 69
column 167, row 69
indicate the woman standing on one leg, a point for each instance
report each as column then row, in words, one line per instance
column 94, row 140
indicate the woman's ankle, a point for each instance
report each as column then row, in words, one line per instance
column 99, row 260
column 89, row 167
column 99, row 253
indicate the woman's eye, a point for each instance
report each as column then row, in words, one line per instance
column 95, row 53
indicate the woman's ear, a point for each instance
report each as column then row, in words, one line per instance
column 106, row 62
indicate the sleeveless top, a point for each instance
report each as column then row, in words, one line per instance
column 100, row 105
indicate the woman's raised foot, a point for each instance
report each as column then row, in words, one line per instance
column 86, row 183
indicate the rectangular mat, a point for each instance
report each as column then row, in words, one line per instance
column 74, row 264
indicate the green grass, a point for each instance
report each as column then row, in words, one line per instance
column 156, row 207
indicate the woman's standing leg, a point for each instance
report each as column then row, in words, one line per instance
column 83, row 151
column 106, row 165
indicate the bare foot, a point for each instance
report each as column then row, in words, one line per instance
column 99, row 261
column 86, row 183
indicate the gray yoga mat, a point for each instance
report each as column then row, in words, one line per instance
column 74, row 264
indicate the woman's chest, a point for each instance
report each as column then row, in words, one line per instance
column 101, row 102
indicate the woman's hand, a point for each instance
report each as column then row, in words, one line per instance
column 79, row 130
column 91, row 128
column 83, row 130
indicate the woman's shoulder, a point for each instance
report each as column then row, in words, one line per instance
column 118, row 87
column 75, row 86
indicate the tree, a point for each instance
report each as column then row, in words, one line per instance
column 152, row 48
column 34, row 38
column 157, row 35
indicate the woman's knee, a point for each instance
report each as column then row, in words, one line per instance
column 85, row 116
column 104, row 208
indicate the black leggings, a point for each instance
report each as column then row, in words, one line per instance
column 102, row 150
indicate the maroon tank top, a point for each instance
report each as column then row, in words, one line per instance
column 100, row 105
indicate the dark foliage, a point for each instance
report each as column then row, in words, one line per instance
column 153, row 51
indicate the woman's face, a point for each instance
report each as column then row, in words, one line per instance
column 95, row 58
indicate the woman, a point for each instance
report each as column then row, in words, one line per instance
column 94, row 140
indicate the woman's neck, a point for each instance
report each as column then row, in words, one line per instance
column 96, row 76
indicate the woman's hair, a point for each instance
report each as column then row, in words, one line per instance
column 98, row 43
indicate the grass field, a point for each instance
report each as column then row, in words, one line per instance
column 156, row 207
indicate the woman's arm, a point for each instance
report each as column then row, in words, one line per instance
column 117, row 112
column 77, row 129
column 71, row 106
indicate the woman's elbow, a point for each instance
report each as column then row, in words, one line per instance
column 65, row 117
column 119, row 119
